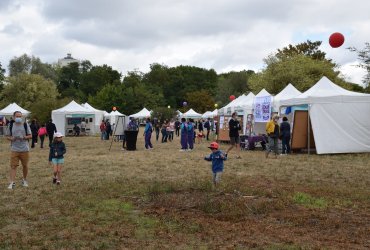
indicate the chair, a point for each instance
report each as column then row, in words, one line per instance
column 244, row 142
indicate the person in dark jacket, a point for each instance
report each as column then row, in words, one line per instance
column 51, row 129
column 285, row 135
column 56, row 156
column 234, row 127
column 34, row 131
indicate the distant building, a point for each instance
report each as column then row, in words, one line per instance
column 67, row 60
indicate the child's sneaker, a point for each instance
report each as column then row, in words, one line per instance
column 54, row 180
column 24, row 183
column 58, row 182
column 11, row 185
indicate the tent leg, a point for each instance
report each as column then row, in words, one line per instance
column 308, row 130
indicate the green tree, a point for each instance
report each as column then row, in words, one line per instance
column 364, row 57
column 31, row 65
column 232, row 83
column 96, row 78
column 68, row 82
column 2, row 77
column 108, row 97
column 33, row 92
column 310, row 49
column 201, row 101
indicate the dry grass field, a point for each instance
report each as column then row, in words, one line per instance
column 163, row 198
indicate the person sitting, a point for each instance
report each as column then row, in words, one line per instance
column 76, row 130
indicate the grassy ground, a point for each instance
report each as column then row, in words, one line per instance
column 164, row 199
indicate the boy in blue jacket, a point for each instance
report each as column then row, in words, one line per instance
column 217, row 157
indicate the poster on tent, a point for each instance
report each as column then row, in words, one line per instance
column 262, row 109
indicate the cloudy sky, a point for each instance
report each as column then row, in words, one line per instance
column 221, row 34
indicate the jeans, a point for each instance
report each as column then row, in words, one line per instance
column 273, row 145
column 285, row 144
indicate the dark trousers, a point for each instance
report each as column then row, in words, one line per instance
column 50, row 138
column 164, row 135
column 285, row 141
column 156, row 134
column 177, row 131
column 34, row 140
column 207, row 134
column 148, row 143
column 42, row 138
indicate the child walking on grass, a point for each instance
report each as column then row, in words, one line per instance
column 56, row 156
column 217, row 157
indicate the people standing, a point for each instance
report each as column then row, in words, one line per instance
column 207, row 126
column 56, row 156
column 148, row 134
column 285, row 135
column 184, row 135
column 200, row 126
column 108, row 129
column 272, row 130
column 34, row 131
column 164, row 131
column 217, row 157
column 234, row 127
column 51, row 129
column 171, row 129
column 190, row 134
column 177, row 127
column 41, row 133
column 18, row 133
column 157, row 127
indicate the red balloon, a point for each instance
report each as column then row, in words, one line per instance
column 336, row 40
column 232, row 97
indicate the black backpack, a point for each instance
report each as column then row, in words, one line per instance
column 11, row 128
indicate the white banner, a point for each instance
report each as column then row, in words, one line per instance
column 262, row 109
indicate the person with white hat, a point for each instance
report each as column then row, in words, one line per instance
column 56, row 156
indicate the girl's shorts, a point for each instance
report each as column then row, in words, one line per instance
column 57, row 160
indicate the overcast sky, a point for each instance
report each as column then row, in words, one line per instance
column 224, row 35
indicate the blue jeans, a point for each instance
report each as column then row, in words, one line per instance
column 285, row 144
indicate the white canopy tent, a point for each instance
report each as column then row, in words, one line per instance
column 288, row 92
column 229, row 108
column 11, row 108
column 72, row 110
column 113, row 116
column 144, row 113
column 191, row 114
column 99, row 115
column 339, row 117
column 207, row 114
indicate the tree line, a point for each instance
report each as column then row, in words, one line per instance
column 41, row 87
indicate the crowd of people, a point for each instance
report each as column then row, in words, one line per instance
column 19, row 132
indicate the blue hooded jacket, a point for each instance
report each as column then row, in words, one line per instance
column 217, row 161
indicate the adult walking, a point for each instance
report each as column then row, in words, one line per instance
column 285, row 135
column 18, row 133
column 177, row 127
column 234, row 127
column 51, row 129
column 272, row 129
column 148, row 134
column 34, row 131
column 207, row 126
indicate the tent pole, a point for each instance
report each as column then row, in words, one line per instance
column 308, row 130
column 114, row 132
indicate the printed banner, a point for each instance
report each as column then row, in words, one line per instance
column 262, row 109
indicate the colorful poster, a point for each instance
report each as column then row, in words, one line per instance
column 262, row 109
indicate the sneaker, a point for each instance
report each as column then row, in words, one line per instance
column 226, row 155
column 11, row 185
column 238, row 157
column 58, row 182
column 182, row 150
column 54, row 180
column 24, row 183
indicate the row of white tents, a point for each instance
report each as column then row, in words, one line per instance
column 340, row 118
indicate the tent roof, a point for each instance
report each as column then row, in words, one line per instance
column 287, row 93
column 263, row 92
column 116, row 113
column 141, row 114
column 246, row 101
column 11, row 108
column 73, row 108
column 325, row 91
column 191, row 114
column 207, row 114
column 89, row 107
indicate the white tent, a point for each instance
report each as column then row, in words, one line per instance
column 144, row 113
column 229, row 108
column 207, row 114
column 99, row 115
column 215, row 113
column 113, row 116
column 288, row 92
column 61, row 116
column 191, row 114
column 262, row 111
column 339, row 117
column 11, row 108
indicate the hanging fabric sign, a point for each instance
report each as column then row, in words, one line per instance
column 262, row 109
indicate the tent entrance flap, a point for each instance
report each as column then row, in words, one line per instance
column 300, row 132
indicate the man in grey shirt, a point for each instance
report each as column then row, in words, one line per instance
column 18, row 134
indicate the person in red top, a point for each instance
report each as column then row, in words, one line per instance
column 103, row 130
